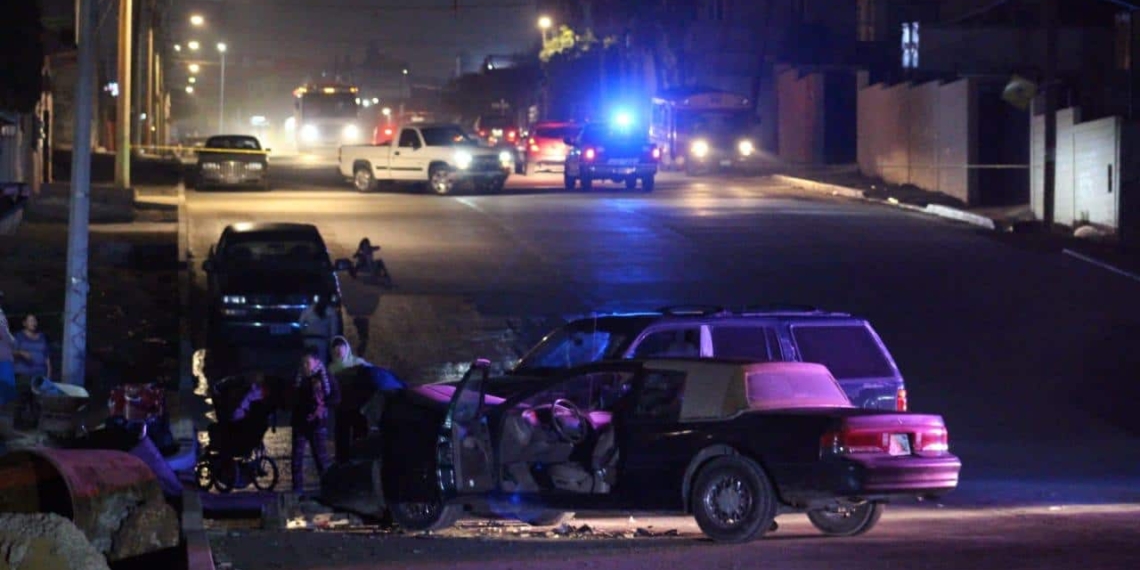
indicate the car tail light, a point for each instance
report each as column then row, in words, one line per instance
column 512, row 135
column 847, row 441
column 900, row 400
column 893, row 440
column 589, row 154
column 932, row 440
column 482, row 133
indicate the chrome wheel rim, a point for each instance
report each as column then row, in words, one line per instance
column 422, row 512
column 363, row 179
column 728, row 500
column 441, row 181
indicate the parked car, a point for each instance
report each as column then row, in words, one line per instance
column 733, row 443
column 848, row 345
column 233, row 160
column 608, row 151
column 545, row 146
column 260, row 278
column 441, row 155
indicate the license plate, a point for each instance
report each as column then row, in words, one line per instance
column 900, row 444
column 280, row 329
column 726, row 163
column 624, row 162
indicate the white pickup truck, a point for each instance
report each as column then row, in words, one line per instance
column 441, row 155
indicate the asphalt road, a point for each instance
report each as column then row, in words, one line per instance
column 1026, row 352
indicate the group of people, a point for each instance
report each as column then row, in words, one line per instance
column 328, row 389
column 24, row 356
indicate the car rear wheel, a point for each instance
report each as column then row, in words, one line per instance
column 425, row 516
column 569, row 181
column 440, row 181
column 363, row 179
column 630, row 183
column 587, row 183
column 849, row 521
column 733, row 500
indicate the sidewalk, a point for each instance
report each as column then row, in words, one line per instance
column 1015, row 224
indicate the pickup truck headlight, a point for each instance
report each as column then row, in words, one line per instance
column 309, row 133
column 463, row 159
column 505, row 158
column 745, row 147
column 700, row 148
column 254, row 165
column 211, row 166
column 233, row 299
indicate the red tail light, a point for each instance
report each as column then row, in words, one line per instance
column 511, row 135
column 482, row 133
column 589, row 154
column 900, row 400
column 893, row 440
column 932, row 440
column 534, row 148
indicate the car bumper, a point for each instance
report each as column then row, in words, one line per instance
column 480, row 175
column 911, row 475
column 722, row 159
column 220, row 178
column 614, row 171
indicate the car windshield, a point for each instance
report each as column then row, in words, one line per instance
column 445, row 136
column 572, row 346
column 603, row 133
column 715, row 123
column 234, row 142
column 329, row 106
column 274, row 250
column 558, row 133
column 801, row 389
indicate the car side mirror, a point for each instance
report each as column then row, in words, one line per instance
column 208, row 265
column 342, row 265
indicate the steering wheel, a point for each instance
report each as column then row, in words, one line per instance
column 570, row 435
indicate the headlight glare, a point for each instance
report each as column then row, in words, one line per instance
column 745, row 147
column 233, row 300
column 351, row 132
column 700, row 148
column 463, row 159
column 309, row 133
column 506, row 158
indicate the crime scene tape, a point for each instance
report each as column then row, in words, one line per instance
column 194, row 149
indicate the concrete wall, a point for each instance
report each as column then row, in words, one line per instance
column 800, row 119
column 1087, row 188
column 924, row 135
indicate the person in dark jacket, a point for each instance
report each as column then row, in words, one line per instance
column 310, row 415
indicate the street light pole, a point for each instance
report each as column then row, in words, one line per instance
column 222, row 92
column 124, row 119
column 75, row 300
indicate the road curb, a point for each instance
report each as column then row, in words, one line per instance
column 199, row 556
column 848, row 192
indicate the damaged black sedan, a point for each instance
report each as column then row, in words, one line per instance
column 732, row 443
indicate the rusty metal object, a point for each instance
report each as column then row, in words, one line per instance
column 112, row 496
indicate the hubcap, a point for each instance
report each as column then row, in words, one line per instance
column 363, row 179
column 441, row 182
column 728, row 500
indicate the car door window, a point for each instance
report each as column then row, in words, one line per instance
column 660, row 396
column 409, row 139
column 670, row 343
column 755, row 343
column 849, row 351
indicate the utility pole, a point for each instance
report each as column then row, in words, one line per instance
column 148, row 102
column 75, row 302
column 123, row 119
column 1049, row 178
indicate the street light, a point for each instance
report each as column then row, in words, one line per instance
column 193, row 45
column 177, row 47
column 189, row 89
column 197, row 20
column 544, row 23
column 387, row 112
column 195, row 68
column 222, row 90
column 193, row 79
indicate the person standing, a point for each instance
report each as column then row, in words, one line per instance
column 318, row 325
column 7, row 366
column 348, row 422
column 32, row 356
column 310, row 415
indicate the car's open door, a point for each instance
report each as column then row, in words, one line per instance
column 466, row 460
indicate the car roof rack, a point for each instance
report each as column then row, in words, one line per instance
column 785, row 308
column 691, row 310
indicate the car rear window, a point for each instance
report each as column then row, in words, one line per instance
column 758, row 344
column 849, row 351
column 800, row 389
column 556, row 132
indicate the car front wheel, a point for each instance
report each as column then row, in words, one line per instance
column 363, row 179
column 848, row 521
column 733, row 500
column 440, row 180
column 587, row 183
column 425, row 516
column 647, row 184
